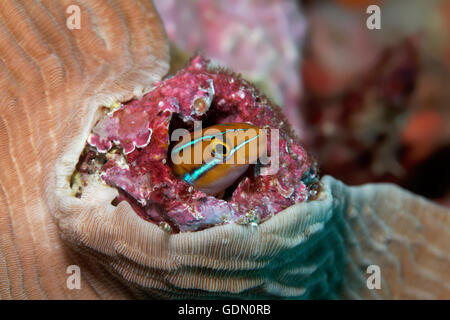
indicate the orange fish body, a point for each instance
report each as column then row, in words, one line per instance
column 213, row 158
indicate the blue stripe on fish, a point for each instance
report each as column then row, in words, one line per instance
column 191, row 178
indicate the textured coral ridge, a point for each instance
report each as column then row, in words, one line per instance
column 136, row 138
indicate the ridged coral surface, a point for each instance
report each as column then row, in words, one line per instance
column 319, row 249
column 52, row 78
column 55, row 79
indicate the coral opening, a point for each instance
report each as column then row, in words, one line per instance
column 129, row 149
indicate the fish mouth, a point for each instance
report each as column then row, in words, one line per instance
column 130, row 145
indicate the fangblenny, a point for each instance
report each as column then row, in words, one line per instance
column 212, row 159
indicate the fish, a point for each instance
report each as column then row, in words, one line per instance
column 213, row 158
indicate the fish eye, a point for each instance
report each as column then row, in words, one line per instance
column 219, row 149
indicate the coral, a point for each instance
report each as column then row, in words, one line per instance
column 55, row 84
column 136, row 140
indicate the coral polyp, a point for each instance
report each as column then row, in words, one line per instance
column 130, row 149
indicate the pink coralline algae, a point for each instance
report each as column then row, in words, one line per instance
column 129, row 149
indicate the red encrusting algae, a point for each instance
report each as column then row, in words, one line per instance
column 134, row 140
